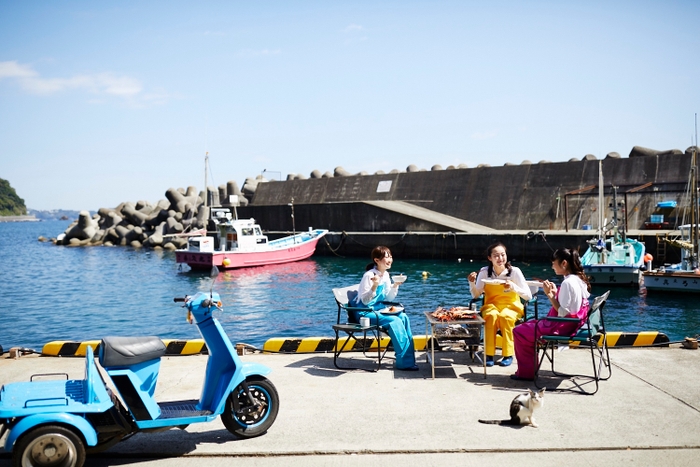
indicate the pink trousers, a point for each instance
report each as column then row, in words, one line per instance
column 524, row 336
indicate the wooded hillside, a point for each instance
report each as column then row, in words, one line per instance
column 10, row 203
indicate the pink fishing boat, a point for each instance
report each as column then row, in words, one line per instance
column 240, row 243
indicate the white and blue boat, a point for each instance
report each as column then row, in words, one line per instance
column 615, row 260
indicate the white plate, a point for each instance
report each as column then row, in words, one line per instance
column 493, row 281
column 399, row 279
column 534, row 286
column 394, row 310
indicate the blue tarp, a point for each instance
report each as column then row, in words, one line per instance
column 666, row 204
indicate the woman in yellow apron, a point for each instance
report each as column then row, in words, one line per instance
column 503, row 286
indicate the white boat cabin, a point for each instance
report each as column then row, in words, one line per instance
column 233, row 235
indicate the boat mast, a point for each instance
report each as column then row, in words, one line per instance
column 294, row 229
column 694, row 214
column 206, row 169
column 601, row 202
column 621, row 230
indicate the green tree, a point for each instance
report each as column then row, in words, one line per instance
column 10, row 203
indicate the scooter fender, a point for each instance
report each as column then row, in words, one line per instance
column 250, row 369
column 33, row 421
column 242, row 373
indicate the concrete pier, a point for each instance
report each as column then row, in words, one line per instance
column 647, row 413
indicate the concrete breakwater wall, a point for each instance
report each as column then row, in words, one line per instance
column 543, row 196
column 455, row 213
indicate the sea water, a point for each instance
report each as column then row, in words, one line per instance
column 63, row 293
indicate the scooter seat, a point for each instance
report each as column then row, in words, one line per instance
column 126, row 351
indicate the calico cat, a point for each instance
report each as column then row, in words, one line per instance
column 522, row 409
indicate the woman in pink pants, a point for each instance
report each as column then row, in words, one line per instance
column 570, row 300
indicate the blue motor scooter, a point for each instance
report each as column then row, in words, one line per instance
column 56, row 422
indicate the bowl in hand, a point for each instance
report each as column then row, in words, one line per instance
column 399, row 278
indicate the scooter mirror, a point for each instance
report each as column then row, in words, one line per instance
column 213, row 273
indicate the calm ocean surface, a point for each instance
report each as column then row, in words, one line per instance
column 60, row 293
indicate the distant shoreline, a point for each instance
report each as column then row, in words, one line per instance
column 19, row 219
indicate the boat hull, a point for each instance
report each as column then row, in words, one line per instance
column 606, row 274
column 244, row 259
column 672, row 281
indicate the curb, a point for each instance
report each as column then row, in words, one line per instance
column 78, row 349
column 635, row 339
column 327, row 344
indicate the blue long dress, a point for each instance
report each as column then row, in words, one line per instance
column 398, row 327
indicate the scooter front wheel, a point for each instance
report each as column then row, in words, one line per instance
column 49, row 445
column 251, row 413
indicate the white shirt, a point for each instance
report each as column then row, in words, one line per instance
column 519, row 283
column 571, row 294
column 365, row 291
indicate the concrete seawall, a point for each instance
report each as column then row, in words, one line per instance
column 457, row 212
column 523, row 197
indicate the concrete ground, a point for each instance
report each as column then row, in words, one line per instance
column 648, row 413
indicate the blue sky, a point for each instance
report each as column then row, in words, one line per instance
column 104, row 102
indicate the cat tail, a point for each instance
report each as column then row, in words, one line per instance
column 508, row 421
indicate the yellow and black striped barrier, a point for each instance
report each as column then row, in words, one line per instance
column 630, row 339
column 327, row 344
column 634, row 339
column 78, row 349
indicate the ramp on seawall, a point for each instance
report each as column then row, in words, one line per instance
column 452, row 223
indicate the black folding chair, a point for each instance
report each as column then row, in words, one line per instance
column 346, row 324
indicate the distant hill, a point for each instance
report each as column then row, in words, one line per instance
column 55, row 214
column 10, row 203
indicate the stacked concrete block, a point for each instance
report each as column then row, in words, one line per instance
column 143, row 224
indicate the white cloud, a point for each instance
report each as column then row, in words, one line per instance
column 352, row 30
column 353, row 27
column 15, row 70
column 98, row 84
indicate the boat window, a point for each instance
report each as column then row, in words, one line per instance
column 246, row 231
column 257, row 231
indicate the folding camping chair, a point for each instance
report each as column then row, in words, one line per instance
column 591, row 335
column 347, row 325
column 527, row 304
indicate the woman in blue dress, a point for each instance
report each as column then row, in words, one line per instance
column 375, row 288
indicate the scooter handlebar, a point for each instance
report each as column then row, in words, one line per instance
column 179, row 299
